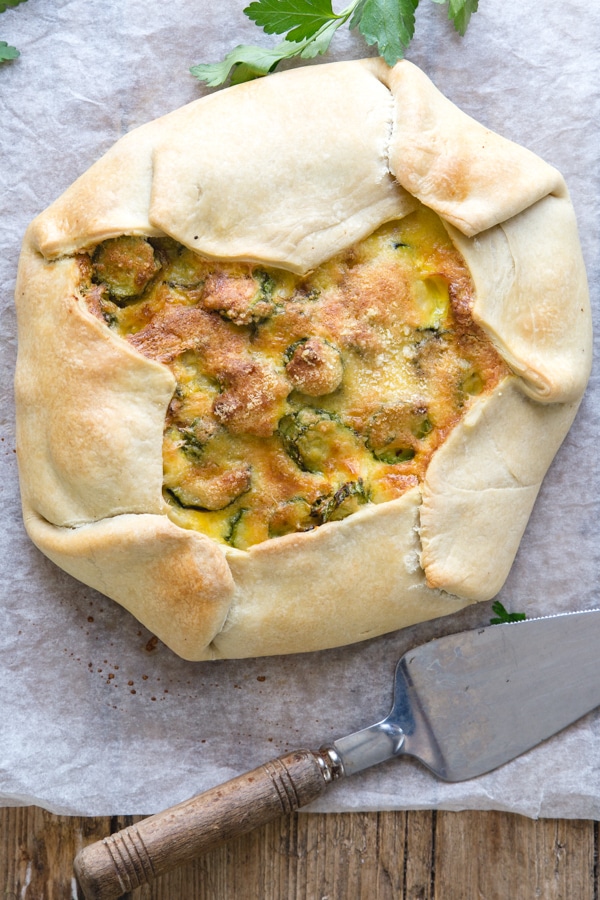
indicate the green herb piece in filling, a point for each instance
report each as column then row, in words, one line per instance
column 317, row 440
column 396, row 430
column 212, row 490
column 345, row 501
column 246, row 528
column 195, row 436
column 125, row 265
column 291, row 516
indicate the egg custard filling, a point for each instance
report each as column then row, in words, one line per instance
column 299, row 399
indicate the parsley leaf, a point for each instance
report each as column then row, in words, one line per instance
column 6, row 4
column 302, row 19
column 246, row 63
column 503, row 616
column 256, row 61
column 309, row 26
column 320, row 43
column 7, row 52
column 460, row 12
column 390, row 24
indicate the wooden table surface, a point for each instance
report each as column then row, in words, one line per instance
column 416, row 855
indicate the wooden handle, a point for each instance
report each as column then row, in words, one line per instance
column 136, row 855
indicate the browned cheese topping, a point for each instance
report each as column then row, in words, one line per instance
column 299, row 399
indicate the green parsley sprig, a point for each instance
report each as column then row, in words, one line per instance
column 309, row 26
column 6, row 4
column 6, row 51
column 503, row 616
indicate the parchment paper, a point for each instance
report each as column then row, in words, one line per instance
column 97, row 718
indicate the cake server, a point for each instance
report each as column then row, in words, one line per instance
column 463, row 705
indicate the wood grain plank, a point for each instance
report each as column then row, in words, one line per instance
column 416, row 855
column 37, row 851
column 419, row 855
column 303, row 857
column 494, row 856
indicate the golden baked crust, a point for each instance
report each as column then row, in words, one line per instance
column 91, row 406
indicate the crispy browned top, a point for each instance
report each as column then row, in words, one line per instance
column 299, row 400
